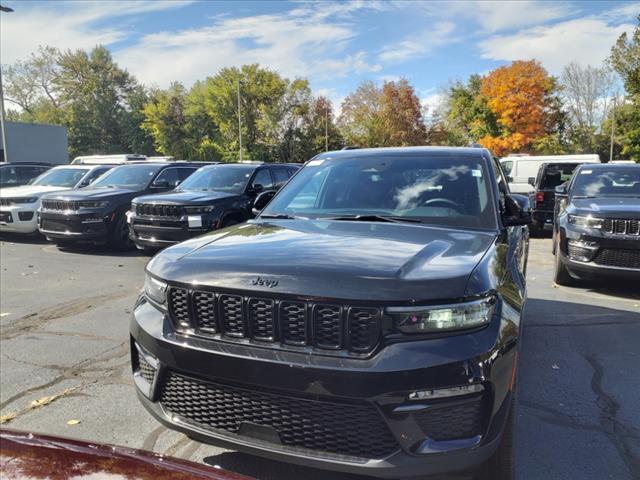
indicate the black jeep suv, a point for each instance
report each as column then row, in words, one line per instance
column 597, row 225
column 366, row 321
column 550, row 175
column 97, row 214
column 215, row 196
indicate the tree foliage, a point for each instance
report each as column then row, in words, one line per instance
column 386, row 116
column 625, row 60
column 519, row 95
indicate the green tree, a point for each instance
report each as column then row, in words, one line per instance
column 261, row 93
column 625, row 60
column 166, row 123
column 468, row 117
column 320, row 131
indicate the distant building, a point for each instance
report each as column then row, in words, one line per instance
column 35, row 142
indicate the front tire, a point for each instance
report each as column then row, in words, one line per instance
column 119, row 239
column 561, row 274
column 501, row 465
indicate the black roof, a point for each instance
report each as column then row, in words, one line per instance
column 608, row 166
column 31, row 164
column 469, row 152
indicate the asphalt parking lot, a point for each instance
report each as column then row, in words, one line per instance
column 64, row 366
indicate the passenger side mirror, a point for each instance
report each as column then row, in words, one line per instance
column 509, row 179
column 517, row 210
column 160, row 185
column 532, row 181
column 261, row 201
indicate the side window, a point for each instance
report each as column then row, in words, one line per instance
column 281, row 176
column 9, row 175
column 292, row 171
column 27, row 173
column 92, row 175
column 183, row 173
column 507, row 166
column 502, row 184
column 169, row 175
column 263, row 177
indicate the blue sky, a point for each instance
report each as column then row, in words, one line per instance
column 336, row 45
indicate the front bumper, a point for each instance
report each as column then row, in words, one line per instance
column 160, row 232
column 19, row 218
column 603, row 254
column 381, row 383
column 90, row 226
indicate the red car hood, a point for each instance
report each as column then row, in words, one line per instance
column 26, row 455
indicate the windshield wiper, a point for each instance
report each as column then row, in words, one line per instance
column 374, row 218
column 281, row 216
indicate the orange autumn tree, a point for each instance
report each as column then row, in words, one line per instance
column 519, row 96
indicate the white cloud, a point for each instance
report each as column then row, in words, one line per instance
column 418, row 44
column 494, row 16
column 293, row 45
column 68, row 25
column 585, row 40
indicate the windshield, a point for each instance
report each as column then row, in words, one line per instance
column 223, row 178
column 132, row 177
column 435, row 190
column 61, row 177
column 556, row 174
column 616, row 182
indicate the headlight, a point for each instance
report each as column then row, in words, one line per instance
column 155, row 290
column 438, row 318
column 25, row 200
column 93, row 204
column 199, row 209
column 585, row 222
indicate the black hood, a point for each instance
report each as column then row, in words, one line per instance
column 606, row 207
column 101, row 193
column 184, row 198
column 347, row 260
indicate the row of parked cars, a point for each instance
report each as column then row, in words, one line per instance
column 367, row 319
column 149, row 204
column 591, row 209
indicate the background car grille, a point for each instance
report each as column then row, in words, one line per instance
column 451, row 422
column 618, row 258
column 149, row 210
column 339, row 428
column 620, row 226
column 277, row 322
column 60, row 205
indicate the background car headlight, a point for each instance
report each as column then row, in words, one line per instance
column 93, row 204
column 587, row 222
column 199, row 209
column 438, row 318
column 25, row 200
column 155, row 290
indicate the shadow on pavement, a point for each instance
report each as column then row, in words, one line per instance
column 32, row 239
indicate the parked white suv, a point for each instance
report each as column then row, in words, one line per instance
column 18, row 205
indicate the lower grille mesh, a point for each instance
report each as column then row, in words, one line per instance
column 343, row 429
column 452, row 422
column 146, row 371
column 618, row 258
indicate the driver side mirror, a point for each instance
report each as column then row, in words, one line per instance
column 532, row 181
column 509, row 179
column 562, row 190
column 160, row 185
column 261, row 201
column 255, row 188
column 517, row 210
